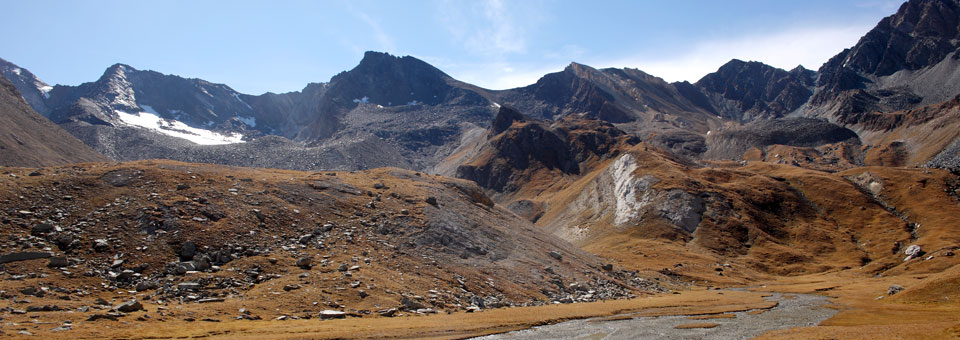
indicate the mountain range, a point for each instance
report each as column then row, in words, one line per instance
column 401, row 111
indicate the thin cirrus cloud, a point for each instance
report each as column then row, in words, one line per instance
column 489, row 27
column 810, row 47
column 385, row 41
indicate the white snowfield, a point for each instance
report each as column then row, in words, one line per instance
column 175, row 128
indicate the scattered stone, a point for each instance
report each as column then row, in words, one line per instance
column 290, row 287
column 101, row 245
column 556, row 255
column 189, row 286
column 894, row 289
column 432, row 201
column 209, row 300
column 608, row 267
column 107, row 316
column 343, row 267
column 45, row 308
column 472, row 309
column 146, row 285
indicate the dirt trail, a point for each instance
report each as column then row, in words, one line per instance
column 796, row 310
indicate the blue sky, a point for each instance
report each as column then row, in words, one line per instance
column 280, row 46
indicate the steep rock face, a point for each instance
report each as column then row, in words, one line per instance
column 908, row 60
column 746, row 91
column 920, row 34
column 28, row 139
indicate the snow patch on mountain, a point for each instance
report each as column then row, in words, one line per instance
column 174, row 128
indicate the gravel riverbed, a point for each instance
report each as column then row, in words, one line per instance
column 793, row 310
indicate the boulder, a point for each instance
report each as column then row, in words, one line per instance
column 305, row 262
column 58, row 262
column 188, row 250
column 24, row 256
column 556, row 255
column 184, row 267
column 101, row 245
column 894, row 289
column 129, row 306
column 42, row 228
column 411, row 304
column 125, row 275
column 332, row 314
column 387, row 313
column 912, row 252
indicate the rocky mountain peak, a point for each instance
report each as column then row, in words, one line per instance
column 750, row 89
column 387, row 80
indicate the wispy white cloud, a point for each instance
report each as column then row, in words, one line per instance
column 490, row 27
column 496, row 75
column 810, row 47
column 384, row 41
